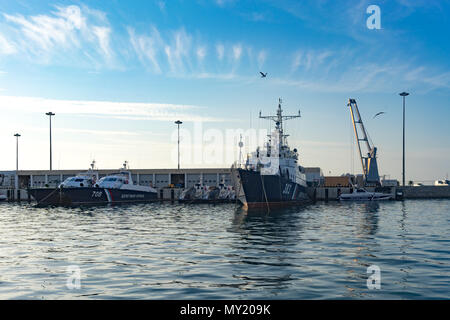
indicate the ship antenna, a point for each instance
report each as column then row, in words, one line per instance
column 278, row 119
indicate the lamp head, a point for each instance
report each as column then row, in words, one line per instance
column 404, row 94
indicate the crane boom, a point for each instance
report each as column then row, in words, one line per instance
column 369, row 162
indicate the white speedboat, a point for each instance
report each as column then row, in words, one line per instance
column 360, row 194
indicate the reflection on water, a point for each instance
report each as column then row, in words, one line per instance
column 171, row 251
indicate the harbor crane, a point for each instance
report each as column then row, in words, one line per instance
column 369, row 162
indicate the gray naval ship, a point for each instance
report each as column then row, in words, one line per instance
column 272, row 176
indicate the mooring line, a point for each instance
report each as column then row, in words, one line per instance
column 39, row 202
column 265, row 195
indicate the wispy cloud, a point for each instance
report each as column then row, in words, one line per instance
column 216, row 76
column 147, row 47
column 67, row 29
column 6, row 47
column 237, row 52
column 201, row 53
column 369, row 77
column 178, row 51
column 175, row 53
column 308, row 59
column 262, row 56
column 103, row 34
column 220, row 48
column 108, row 109
column 162, row 6
column 87, row 131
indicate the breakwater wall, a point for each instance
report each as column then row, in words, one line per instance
column 425, row 192
column 409, row 192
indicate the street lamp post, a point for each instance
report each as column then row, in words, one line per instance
column 403, row 94
column 50, row 114
column 178, row 122
column 17, row 151
column 17, row 161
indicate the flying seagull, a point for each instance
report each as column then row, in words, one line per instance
column 263, row 75
column 378, row 114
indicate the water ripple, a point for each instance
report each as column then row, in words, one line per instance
column 170, row 251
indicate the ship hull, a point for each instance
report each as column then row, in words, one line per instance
column 263, row 191
column 89, row 196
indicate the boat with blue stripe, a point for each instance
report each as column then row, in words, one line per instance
column 112, row 189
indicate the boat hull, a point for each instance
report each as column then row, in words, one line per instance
column 378, row 198
column 213, row 201
column 89, row 196
column 263, row 191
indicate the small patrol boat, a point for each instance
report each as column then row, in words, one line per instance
column 115, row 188
column 200, row 193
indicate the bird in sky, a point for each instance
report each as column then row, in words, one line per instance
column 379, row 113
column 263, row 75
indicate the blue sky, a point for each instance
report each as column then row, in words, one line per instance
column 119, row 73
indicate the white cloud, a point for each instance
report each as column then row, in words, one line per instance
column 367, row 77
column 102, row 34
column 237, row 52
column 201, row 53
column 147, row 47
column 65, row 32
column 178, row 51
column 262, row 56
column 88, row 131
column 109, row 109
column 309, row 59
column 5, row 46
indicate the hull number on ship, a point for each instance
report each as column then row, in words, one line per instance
column 96, row 194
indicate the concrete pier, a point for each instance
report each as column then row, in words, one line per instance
column 409, row 192
column 168, row 182
column 425, row 192
column 171, row 182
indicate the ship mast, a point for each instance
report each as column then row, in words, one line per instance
column 278, row 119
